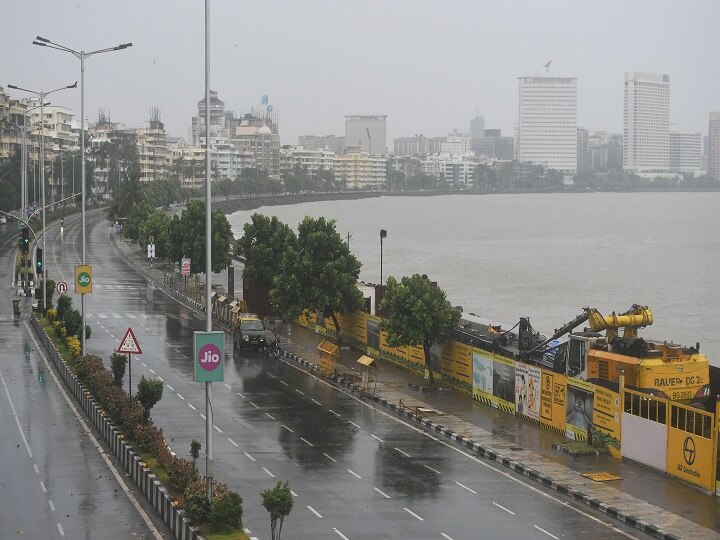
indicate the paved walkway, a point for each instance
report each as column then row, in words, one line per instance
column 645, row 498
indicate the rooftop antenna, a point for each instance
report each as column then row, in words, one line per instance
column 547, row 66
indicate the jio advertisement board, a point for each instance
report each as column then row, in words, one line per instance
column 209, row 356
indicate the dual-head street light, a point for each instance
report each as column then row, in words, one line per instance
column 42, row 96
column 82, row 55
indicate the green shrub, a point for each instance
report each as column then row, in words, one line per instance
column 181, row 473
column 226, row 510
column 196, row 503
column 117, row 366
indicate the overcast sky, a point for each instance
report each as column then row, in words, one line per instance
column 427, row 65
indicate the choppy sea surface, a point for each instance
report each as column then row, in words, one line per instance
column 545, row 256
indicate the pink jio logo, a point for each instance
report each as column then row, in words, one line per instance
column 209, row 357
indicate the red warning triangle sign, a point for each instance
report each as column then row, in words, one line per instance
column 129, row 344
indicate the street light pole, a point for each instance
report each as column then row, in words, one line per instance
column 44, row 42
column 42, row 95
column 383, row 234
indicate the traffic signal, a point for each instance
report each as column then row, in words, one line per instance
column 25, row 244
column 39, row 262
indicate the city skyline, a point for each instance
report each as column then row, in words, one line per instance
column 320, row 63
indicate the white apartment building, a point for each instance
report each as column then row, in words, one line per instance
column 457, row 143
column 311, row 159
column 366, row 132
column 261, row 144
column 714, row 146
column 188, row 161
column 358, row 170
column 685, row 151
column 646, row 122
column 547, row 124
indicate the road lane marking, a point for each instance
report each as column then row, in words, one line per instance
column 341, row 535
column 306, row 442
column 293, row 493
column 60, row 530
column 233, row 442
column 249, row 456
column 300, row 392
column 180, row 395
column 42, row 485
column 269, row 473
column 465, row 487
column 382, row 493
column 315, row 511
column 271, row 375
column 37, row 471
column 131, row 316
column 102, row 316
column 217, row 429
column 286, row 384
column 203, row 416
column 144, row 364
column 446, row 536
column 290, row 430
column 430, row 468
column 242, row 396
column 315, row 401
column 501, row 507
column 354, row 424
column 228, row 386
column 251, row 403
column 403, row 453
column 330, row 458
column 336, row 414
column 52, row 506
column 376, row 437
column 15, row 415
column 151, row 370
column 413, row 514
column 356, row 475
column 546, row 532
column 170, row 388
column 161, row 379
column 192, row 406
column 270, row 416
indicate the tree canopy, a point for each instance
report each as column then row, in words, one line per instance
column 278, row 501
column 263, row 244
column 417, row 312
column 317, row 274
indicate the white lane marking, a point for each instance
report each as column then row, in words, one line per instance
column 251, row 403
column 315, row 401
column 330, row 458
column 180, row 395
column 217, row 429
column 131, row 316
column 185, row 356
column 192, row 406
column 151, row 370
column 37, row 471
column 161, row 379
column 271, row 475
column 15, row 415
column 413, row 514
column 354, row 424
column 551, row 535
column 300, row 392
column 403, row 453
column 249, row 456
column 233, row 442
column 501, row 507
column 341, row 535
column 228, row 386
column 203, row 416
column 430, row 468
column 117, row 316
column 42, row 485
column 112, row 336
column 270, row 416
column 60, row 530
column 382, row 493
column 242, row 396
column 290, row 430
column 306, row 442
column 170, row 388
column 465, row 487
column 286, row 384
column 293, row 493
column 446, row 536
column 314, row 511
column 356, row 475
column 271, row 375
column 144, row 364
column 376, row 437
column 336, row 414
column 102, row 316
column 52, row 506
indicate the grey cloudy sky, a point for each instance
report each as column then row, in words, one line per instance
column 426, row 64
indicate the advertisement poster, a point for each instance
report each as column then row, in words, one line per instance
column 606, row 418
column 579, row 408
column 546, row 397
column 504, row 383
column 482, row 376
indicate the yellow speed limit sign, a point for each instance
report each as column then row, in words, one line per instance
column 83, row 279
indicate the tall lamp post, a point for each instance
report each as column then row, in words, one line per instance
column 82, row 55
column 383, row 234
column 42, row 96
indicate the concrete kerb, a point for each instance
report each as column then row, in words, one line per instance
column 492, row 455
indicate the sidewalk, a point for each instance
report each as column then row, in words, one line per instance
column 645, row 498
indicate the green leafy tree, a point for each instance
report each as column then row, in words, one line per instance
column 187, row 238
column 157, row 226
column 127, row 195
column 318, row 274
column 195, row 447
column 118, row 362
column 149, row 392
column 417, row 312
column 278, row 501
column 263, row 244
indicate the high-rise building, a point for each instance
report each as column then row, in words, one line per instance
column 714, row 146
column 685, row 151
column 646, row 122
column 318, row 142
column 418, row 145
column 583, row 150
column 366, row 132
column 547, row 123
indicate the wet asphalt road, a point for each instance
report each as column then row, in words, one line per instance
column 357, row 472
column 54, row 481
